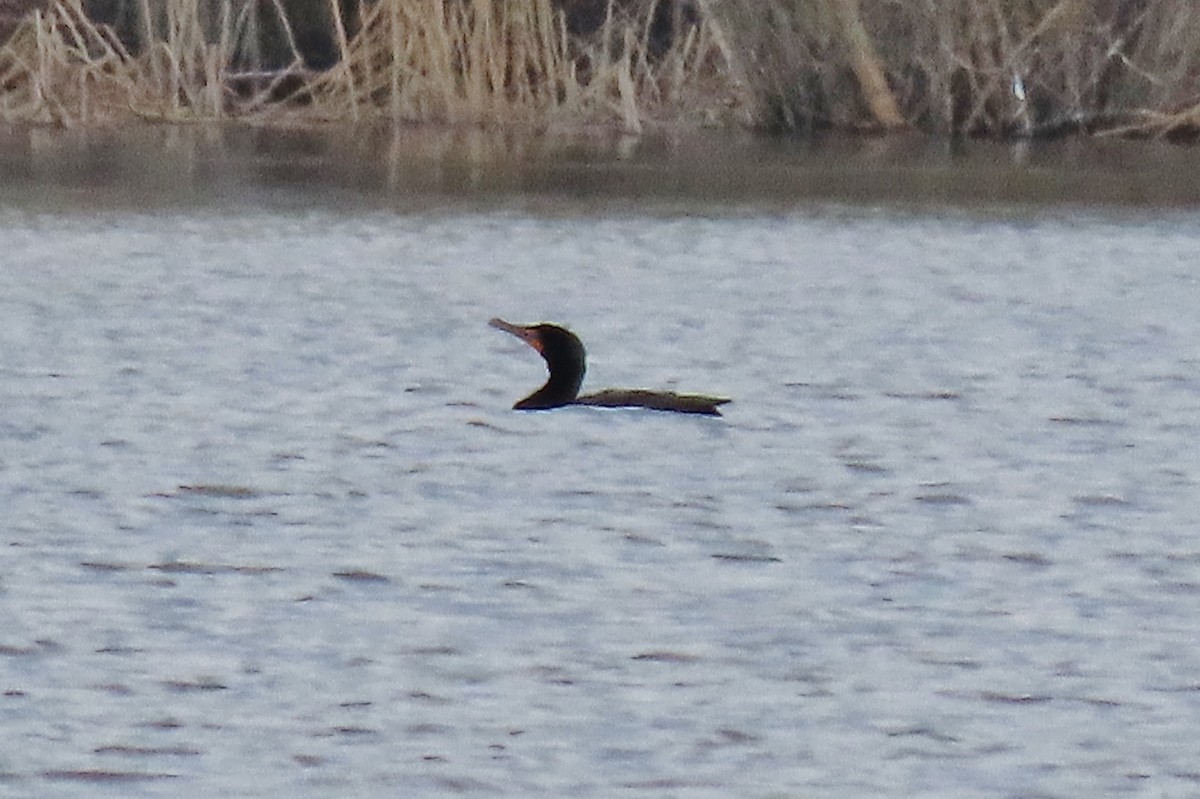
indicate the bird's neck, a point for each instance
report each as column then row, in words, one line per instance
column 561, row 389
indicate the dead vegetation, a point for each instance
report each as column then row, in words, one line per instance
column 480, row 62
column 975, row 67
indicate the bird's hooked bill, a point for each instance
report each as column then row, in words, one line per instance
column 524, row 333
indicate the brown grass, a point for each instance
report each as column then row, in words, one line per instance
column 993, row 67
column 61, row 67
column 499, row 62
column 980, row 67
column 479, row 62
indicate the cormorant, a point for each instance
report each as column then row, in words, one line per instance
column 566, row 362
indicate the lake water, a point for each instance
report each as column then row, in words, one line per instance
column 270, row 527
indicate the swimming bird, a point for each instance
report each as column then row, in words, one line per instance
column 566, row 360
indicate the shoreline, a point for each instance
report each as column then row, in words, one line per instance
column 420, row 169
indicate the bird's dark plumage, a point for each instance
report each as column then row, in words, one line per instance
column 566, row 361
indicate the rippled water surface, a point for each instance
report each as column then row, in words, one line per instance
column 270, row 527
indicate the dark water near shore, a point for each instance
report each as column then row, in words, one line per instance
column 270, row 528
column 412, row 169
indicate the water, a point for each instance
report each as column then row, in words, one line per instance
column 270, row 527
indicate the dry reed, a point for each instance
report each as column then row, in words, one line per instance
column 483, row 62
column 60, row 66
column 991, row 67
column 499, row 62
